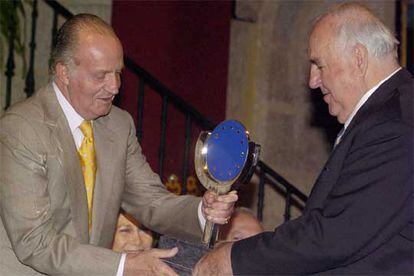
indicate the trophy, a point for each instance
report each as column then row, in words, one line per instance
column 224, row 159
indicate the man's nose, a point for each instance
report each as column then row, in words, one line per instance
column 314, row 77
column 113, row 83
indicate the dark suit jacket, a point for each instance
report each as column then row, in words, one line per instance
column 359, row 216
column 44, row 217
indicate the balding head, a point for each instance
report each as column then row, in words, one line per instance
column 354, row 23
column 69, row 36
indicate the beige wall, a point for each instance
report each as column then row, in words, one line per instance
column 268, row 91
column 102, row 8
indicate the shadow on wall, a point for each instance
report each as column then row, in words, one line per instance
column 321, row 118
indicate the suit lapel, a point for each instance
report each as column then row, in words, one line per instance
column 69, row 160
column 103, row 137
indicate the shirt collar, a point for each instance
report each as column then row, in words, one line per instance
column 366, row 96
column 73, row 117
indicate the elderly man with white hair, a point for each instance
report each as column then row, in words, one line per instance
column 359, row 216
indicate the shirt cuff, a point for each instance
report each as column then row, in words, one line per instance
column 121, row 265
column 201, row 219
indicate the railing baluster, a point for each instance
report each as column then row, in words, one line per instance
column 186, row 152
column 141, row 89
column 260, row 202
column 30, row 81
column 10, row 65
column 163, row 135
column 287, row 205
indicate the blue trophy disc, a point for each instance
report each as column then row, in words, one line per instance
column 227, row 151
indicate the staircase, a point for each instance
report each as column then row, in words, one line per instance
column 264, row 174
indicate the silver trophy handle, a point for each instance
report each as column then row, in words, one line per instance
column 208, row 234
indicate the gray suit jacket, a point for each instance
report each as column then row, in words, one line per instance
column 44, row 227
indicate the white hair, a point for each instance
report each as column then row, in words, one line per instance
column 357, row 24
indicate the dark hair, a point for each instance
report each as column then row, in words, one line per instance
column 67, row 37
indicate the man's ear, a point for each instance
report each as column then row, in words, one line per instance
column 360, row 53
column 62, row 73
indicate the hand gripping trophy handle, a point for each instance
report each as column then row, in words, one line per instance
column 209, row 235
column 224, row 159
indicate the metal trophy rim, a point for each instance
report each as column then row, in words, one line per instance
column 201, row 166
column 200, row 162
column 212, row 184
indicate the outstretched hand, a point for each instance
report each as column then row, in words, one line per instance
column 148, row 262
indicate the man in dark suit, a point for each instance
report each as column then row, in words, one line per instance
column 359, row 216
column 69, row 160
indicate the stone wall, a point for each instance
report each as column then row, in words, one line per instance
column 268, row 92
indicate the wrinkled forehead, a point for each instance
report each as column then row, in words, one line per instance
column 98, row 48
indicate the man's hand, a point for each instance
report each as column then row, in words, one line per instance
column 218, row 208
column 216, row 262
column 148, row 262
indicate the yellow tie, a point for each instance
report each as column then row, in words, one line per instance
column 88, row 163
